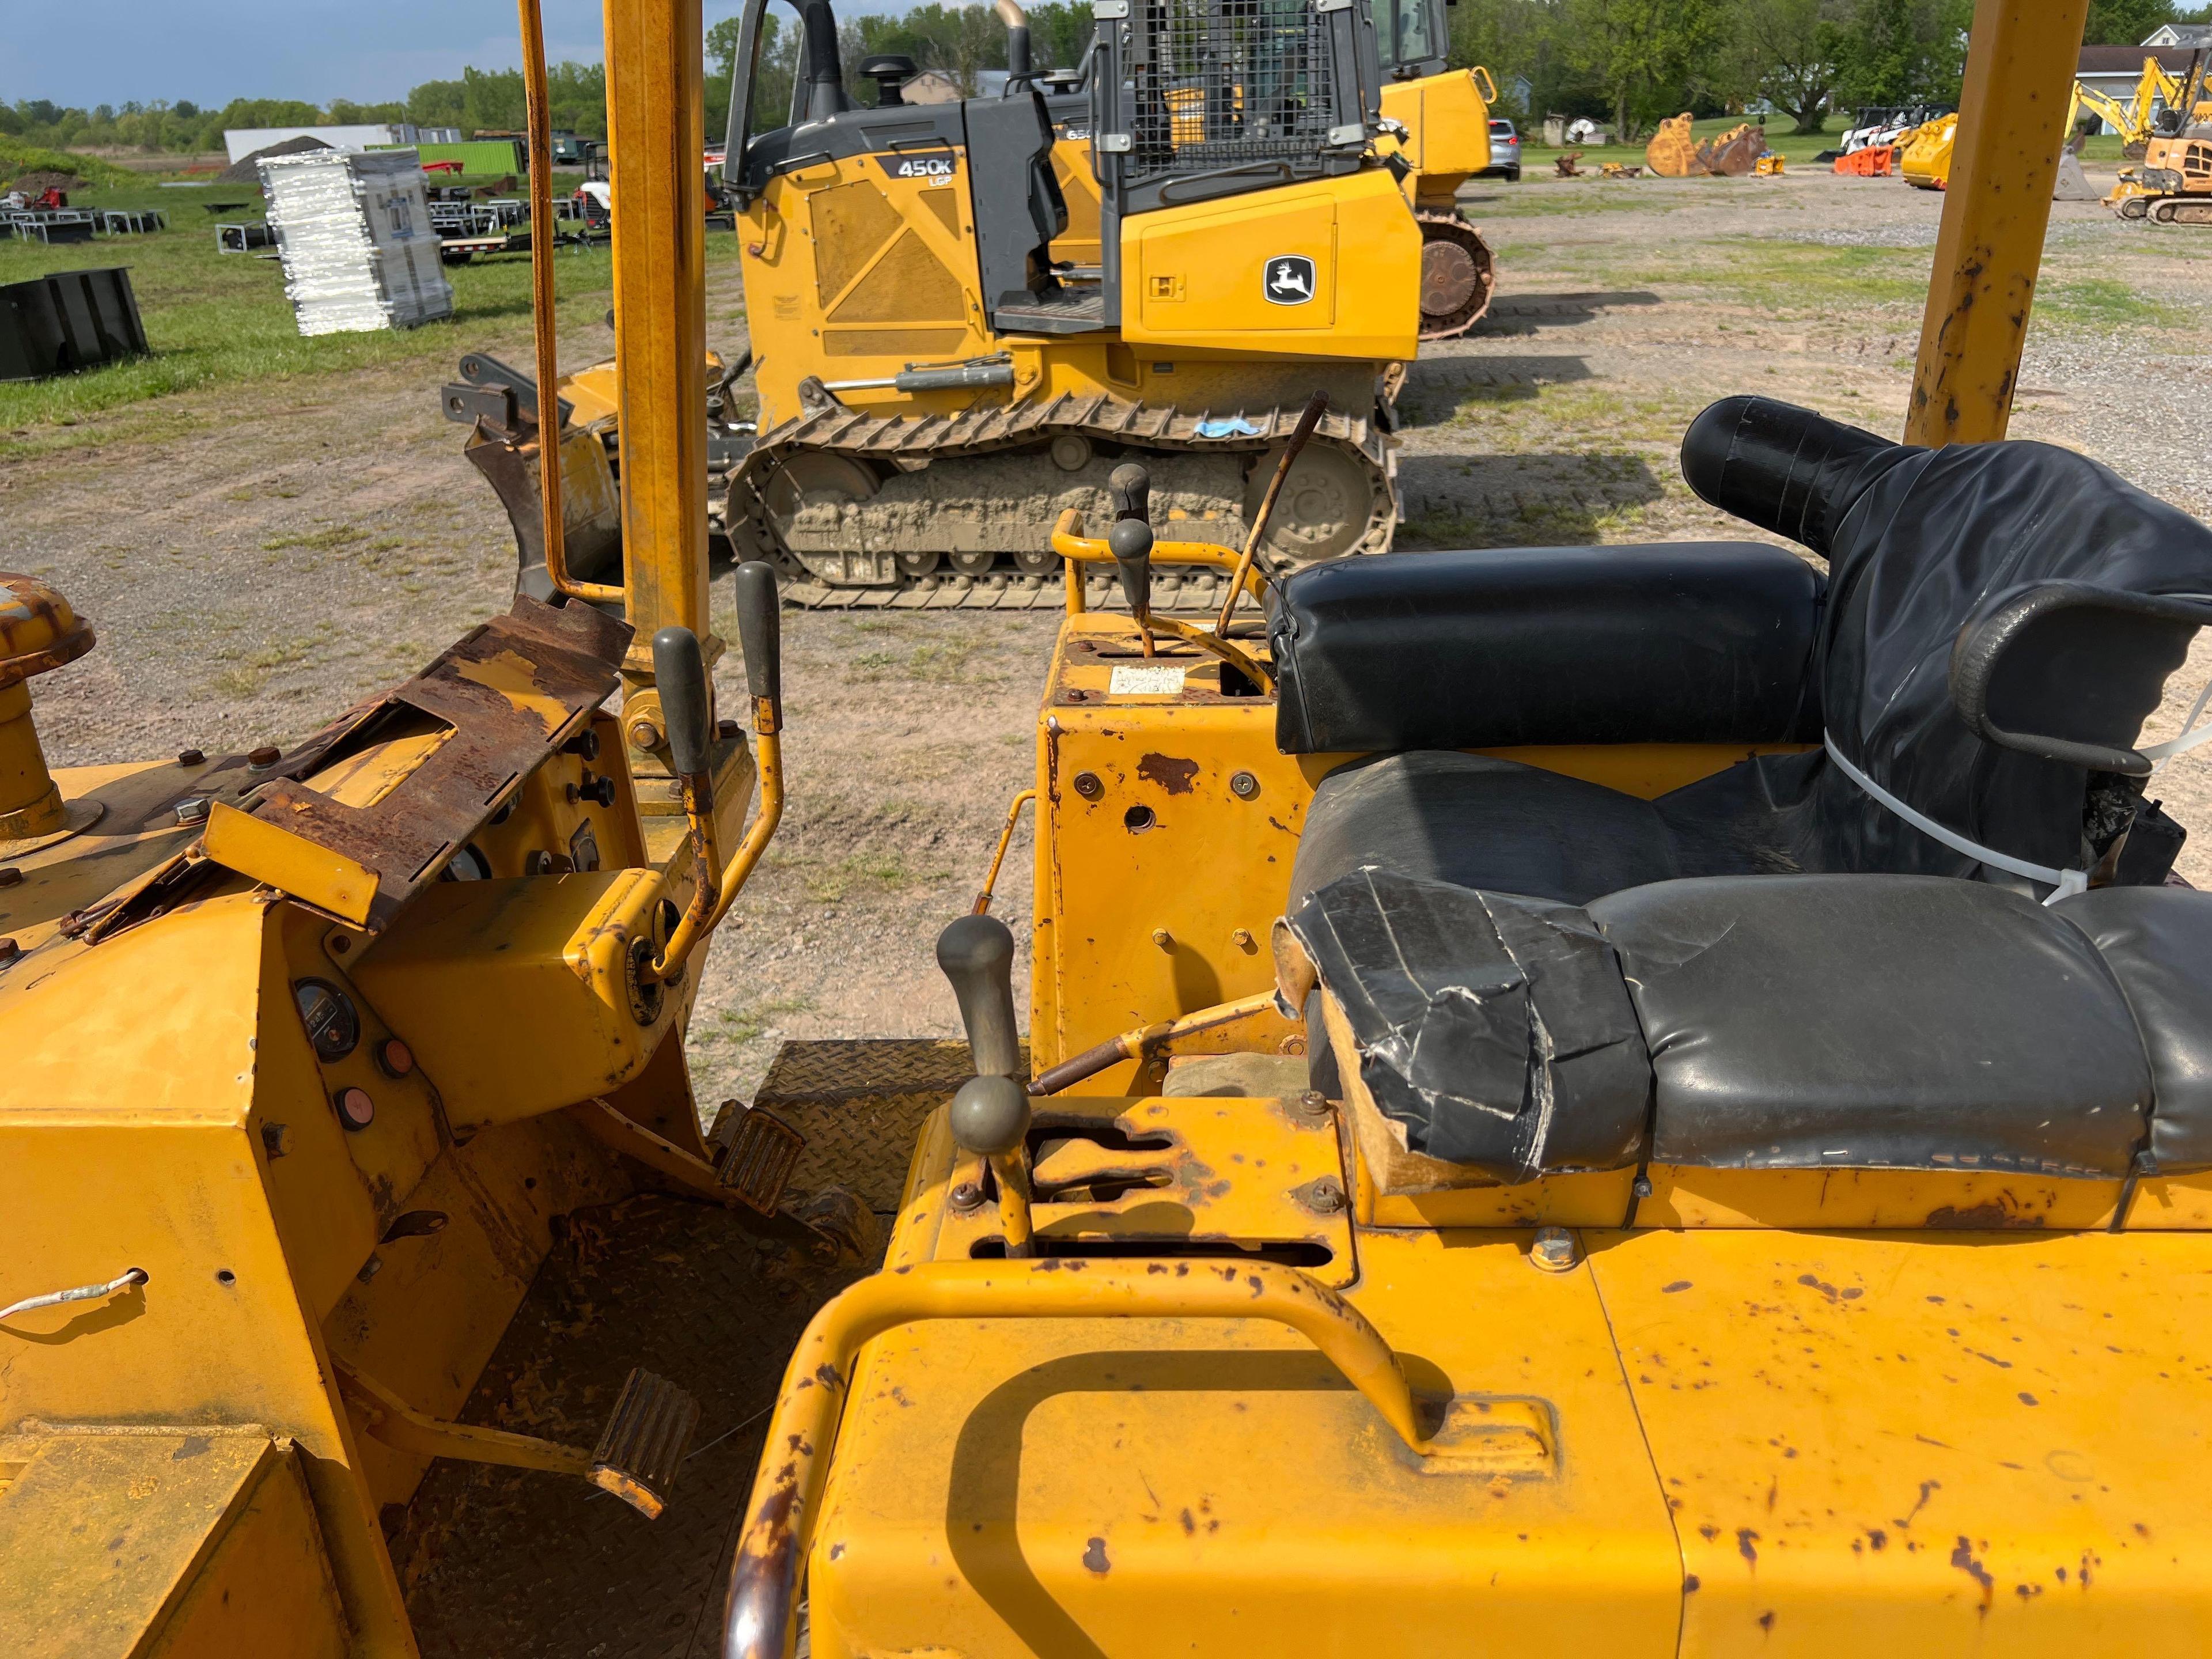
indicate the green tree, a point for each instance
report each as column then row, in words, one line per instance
column 2125, row 23
column 1903, row 51
column 1647, row 55
column 1788, row 52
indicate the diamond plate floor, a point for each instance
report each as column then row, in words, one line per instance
column 523, row 1565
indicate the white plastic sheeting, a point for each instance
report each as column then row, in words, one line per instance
column 354, row 228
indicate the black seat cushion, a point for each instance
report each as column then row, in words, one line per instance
column 1477, row 822
column 1494, row 1030
column 1901, row 1022
column 2158, row 942
column 1662, row 642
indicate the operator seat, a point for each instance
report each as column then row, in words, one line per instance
column 1876, row 953
column 2030, row 581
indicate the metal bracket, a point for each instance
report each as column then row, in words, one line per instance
column 1110, row 8
column 1117, row 144
column 1348, row 136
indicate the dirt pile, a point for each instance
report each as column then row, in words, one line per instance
column 244, row 171
column 37, row 182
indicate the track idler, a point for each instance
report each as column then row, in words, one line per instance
column 1457, row 275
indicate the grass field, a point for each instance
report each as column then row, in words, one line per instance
column 215, row 319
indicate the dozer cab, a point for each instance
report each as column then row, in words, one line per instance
column 1641, row 1098
column 937, row 384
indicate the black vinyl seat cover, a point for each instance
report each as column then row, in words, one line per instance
column 2158, row 943
column 1899, row 1021
column 1671, row 643
column 1919, row 543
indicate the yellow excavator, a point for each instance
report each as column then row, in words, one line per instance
column 2171, row 182
column 1705, row 1157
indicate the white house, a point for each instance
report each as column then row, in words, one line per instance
column 242, row 142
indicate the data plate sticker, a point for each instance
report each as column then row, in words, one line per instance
column 1145, row 680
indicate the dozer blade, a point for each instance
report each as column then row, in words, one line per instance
column 641, row 1448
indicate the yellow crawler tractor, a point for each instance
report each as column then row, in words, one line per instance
column 1442, row 120
column 1705, row 1157
column 936, row 384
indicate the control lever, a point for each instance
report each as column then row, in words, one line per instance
column 989, row 1115
column 686, row 706
column 1130, row 541
column 1129, row 488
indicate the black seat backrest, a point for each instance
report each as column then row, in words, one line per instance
column 1016, row 199
column 1936, row 558
column 1665, row 642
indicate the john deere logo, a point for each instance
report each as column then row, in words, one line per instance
column 1288, row 280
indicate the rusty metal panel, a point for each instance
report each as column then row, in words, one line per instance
column 513, row 691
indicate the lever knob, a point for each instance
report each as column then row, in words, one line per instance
column 1130, row 541
column 1129, row 486
column 989, row 1115
column 681, row 677
column 976, row 953
column 760, row 630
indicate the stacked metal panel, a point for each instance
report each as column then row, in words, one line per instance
column 359, row 249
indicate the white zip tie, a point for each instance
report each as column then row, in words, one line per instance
column 2067, row 881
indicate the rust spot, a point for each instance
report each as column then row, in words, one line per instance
column 826, row 1374
column 1172, row 773
column 1094, row 1556
column 1678, row 1285
column 1709, row 1533
column 1745, row 1539
column 837, row 1552
column 1189, row 1524
column 1963, row 1559
column 1766, row 1620
column 193, row 1445
column 1994, row 1213
column 1877, row 1538
column 2028, row 1398
column 1690, row 1583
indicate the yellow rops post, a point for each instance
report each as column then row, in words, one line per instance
column 1647, row 1100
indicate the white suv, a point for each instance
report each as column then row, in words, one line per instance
column 1505, row 151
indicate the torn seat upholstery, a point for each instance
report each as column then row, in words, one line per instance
column 1526, row 973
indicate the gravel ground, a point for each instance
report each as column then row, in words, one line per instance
column 255, row 560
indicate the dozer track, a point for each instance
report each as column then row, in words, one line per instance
column 1458, row 275
column 868, row 505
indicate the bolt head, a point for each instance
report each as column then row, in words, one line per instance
column 1162, row 938
column 263, row 758
column 1327, row 1196
column 967, row 1196
column 192, row 811
column 1088, row 786
column 644, row 734
column 10, row 875
column 191, row 758
column 1553, row 1250
column 1243, row 784
column 727, row 730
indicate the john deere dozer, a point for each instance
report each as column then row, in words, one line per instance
column 1443, row 115
column 1704, row 1156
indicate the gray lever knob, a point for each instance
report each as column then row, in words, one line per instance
column 1129, row 486
column 760, row 631
column 976, row 953
column 681, row 678
column 1130, row 541
column 989, row 1115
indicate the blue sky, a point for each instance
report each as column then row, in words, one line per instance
column 108, row 51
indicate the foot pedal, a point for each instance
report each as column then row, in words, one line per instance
column 761, row 1152
column 642, row 1447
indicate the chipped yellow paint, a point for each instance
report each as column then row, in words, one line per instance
column 514, row 677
